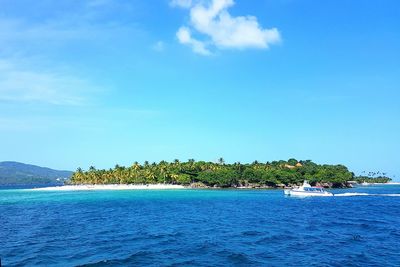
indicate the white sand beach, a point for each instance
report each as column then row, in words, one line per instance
column 110, row 187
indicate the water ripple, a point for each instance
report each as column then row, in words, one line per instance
column 198, row 228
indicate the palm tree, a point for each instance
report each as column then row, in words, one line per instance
column 78, row 176
column 136, row 166
column 150, row 176
column 164, row 173
column 174, row 178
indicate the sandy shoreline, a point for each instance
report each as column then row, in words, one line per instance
column 143, row 187
column 109, row 187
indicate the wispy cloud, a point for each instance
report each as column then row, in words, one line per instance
column 92, row 118
column 217, row 28
column 181, row 3
column 18, row 84
column 159, row 46
column 97, row 3
column 64, row 25
column 33, row 67
column 21, row 36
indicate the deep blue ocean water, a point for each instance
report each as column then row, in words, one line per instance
column 199, row 228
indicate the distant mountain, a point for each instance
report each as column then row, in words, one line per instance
column 19, row 173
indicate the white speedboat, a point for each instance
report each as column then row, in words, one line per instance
column 307, row 190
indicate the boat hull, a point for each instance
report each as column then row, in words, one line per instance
column 306, row 190
column 307, row 194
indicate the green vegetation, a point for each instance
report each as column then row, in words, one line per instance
column 372, row 177
column 20, row 173
column 368, row 179
column 276, row 173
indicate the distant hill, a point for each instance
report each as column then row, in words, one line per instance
column 19, row 173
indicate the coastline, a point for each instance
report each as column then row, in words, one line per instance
column 110, row 187
column 105, row 187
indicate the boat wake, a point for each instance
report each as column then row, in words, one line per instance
column 365, row 194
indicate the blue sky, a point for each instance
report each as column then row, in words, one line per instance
column 102, row 82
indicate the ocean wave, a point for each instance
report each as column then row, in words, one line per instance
column 351, row 194
column 365, row 194
column 140, row 257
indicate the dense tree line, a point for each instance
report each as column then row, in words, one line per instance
column 217, row 174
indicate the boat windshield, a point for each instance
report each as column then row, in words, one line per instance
column 313, row 189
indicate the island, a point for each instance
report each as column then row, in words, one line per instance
column 202, row 174
column 17, row 173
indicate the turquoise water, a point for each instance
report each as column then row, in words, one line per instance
column 200, row 228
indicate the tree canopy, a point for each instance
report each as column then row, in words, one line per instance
column 218, row 174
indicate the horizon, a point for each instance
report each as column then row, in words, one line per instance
column 103, row 82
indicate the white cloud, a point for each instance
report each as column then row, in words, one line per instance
column 26, row 85
column 185, row 37
column 181, row 3
column 223, row 31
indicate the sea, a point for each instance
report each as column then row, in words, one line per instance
column 356, row 227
